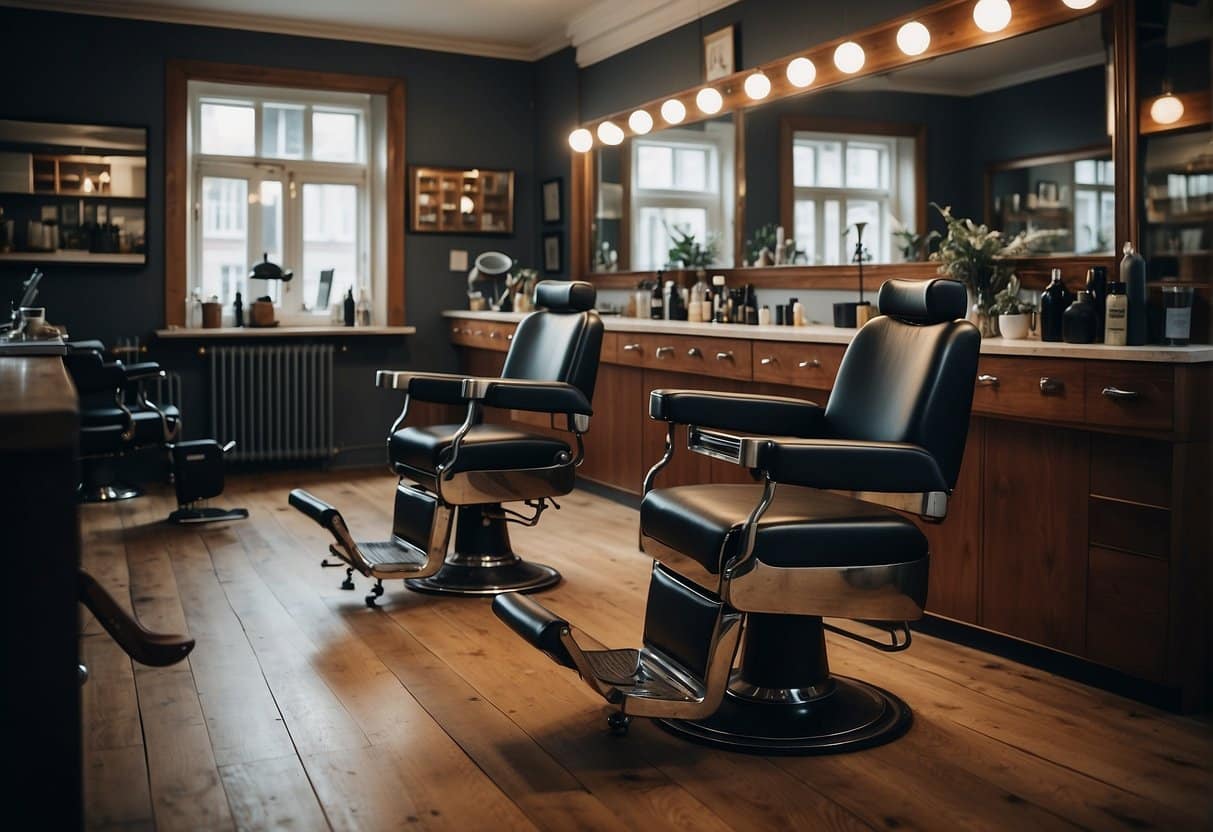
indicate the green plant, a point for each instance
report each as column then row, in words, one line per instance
column 915, row 247
column 764, row 237
column 687, row 252
column 1007, row 301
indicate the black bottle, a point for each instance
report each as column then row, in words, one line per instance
column 657, row 304
column 1080, row 320
column 1097, row 287
column 349, row 308
column 678, row 309
column 238, row 311
column 1053, row 303
column 1133, row 275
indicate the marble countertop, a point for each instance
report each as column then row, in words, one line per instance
column 823, row 334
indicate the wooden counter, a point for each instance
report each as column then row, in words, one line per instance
column 1080, row 522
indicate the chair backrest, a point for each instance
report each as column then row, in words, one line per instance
column 908, row 375
column 562, row 341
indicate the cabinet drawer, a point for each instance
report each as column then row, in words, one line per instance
column 484, row 335
column 1130, row 395
column 1127, row 603
column 802, row 365
column 610, row 348
column 720, row 357
column 1033, row 388
column 630, row 349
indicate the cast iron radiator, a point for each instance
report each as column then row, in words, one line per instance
column 275, row 401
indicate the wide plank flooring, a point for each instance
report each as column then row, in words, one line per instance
column 300, row 708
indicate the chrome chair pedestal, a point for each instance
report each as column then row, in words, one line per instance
column 109, row 492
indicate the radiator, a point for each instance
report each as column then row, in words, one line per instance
column 276, row 401
column 166, row 390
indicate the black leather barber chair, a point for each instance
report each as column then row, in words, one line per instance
column 460, row 475
column 734, row 650
column 118, row 418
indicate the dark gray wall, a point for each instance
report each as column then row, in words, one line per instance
column 555, row 116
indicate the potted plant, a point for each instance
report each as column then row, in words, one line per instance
column 688, row 253
column 1011, row 315
column 915, row 247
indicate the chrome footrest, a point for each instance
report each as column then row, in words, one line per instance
column 388, row 555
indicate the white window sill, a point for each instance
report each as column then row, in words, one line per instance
column 282, row 331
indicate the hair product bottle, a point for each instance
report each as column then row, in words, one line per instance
column 1053, row 303
column 1116, row 316
column 1133, row 275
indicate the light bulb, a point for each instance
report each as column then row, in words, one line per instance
column 992, row 15
column 709, row 100
column 1166, row 109
column 757, row 86
column 610, row 133
column 801, row 72
column 848, row 57
column 640, row 122
column 88, row 185
column 673, row 111
column 913, row 38
column 1079, row 4
column 581, row 140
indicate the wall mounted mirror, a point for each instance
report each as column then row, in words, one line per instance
column 72, row 193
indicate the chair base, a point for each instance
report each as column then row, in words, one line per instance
column 192, row 516
column 848, row 715
column 108, row 493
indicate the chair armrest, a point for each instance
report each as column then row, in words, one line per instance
column 520, row 394
column 741, row 412
column 142, row 370
column 851, row 465
column 443, row 388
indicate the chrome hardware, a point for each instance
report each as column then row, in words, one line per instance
column 478, row 332
column 1119, row 395
column 768, row 361
column 664, row 351
column 494, row 334
column 1051, row 386
column 509, row 336
column 813, row 363
column 455, row 330
column 631, row 348
column 664, row 461
column 694, row 352
column 895, row 645
column 987, row 380
column 724, row 356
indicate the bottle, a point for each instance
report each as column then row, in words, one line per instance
column 1116, row 316
column 349, row 308
column 656, row 303
column 1097, row 285
column 764, row 316
column 363, row 310
column 720, row 300
column 1053, row 303
column 1133, row 275
column 676, row 307
column 1079, row 321
column 238, row 311
column 797, row 313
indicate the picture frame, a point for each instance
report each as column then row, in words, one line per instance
column 553, row 252
column 719, row 59
column 552, row 199
column 1047, row 191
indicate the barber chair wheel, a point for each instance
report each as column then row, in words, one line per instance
column 482, row 562
column 617, row 723
column 783, row 699
column 348, row 583
column 376, row 591
column 109, row 493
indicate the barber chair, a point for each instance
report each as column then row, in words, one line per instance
column 138, row 642
column 460, row 475
column 111, row 427
column 734, row 651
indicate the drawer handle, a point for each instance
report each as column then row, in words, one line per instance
column 694, row 352
column 662, row 352
column 811, row 364
column 631, row 348
column 768, row 361
column 509, row 336
column 455, row 330
column 1051, row 386
column 1120, row 395
column 478, row 332
column 724, row 356
column 494, row 334
column 987, row 380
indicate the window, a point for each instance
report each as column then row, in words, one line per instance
column 1094, row 205
column 682, row 180
column 284, row 174
column 839, row 180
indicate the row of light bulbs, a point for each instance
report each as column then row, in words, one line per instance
column 913, row 39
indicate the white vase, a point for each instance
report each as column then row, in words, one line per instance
column 1013, row 327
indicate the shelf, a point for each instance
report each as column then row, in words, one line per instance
column 69, row 256
column 231, row 332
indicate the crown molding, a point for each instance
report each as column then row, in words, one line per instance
column 609, row 26
column 134, row 10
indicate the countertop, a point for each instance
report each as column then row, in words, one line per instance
column 230, row 332
column 38, row 403
column 822, row 334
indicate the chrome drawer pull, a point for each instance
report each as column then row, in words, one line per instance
column 1120, row 395
column 662, row 352
column 494, row 334
column 1051, row 386
column 767, row 361
column 812, row 364
column 694, row 352
column 986, row 380
column 631, row 347
column 455, row 330
column 509, row 337
column 724, row 356
column 478, row 332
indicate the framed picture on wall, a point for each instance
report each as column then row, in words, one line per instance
column 552, row 200
column 552, row 252
column 718, row 58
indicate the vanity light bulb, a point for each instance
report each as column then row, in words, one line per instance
column 801, row 72
column 849, row 57
column 581, row 140
column 913, row 38
column 640, row 122
column 1166, row 109
column 992, row 15
column 610, row 133
column 1079, row 4
column 709, row 100
column 757, row 86
column 673, row 111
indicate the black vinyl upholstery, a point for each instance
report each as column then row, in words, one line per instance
column 742, row 412
column 802, row 528
column 561, row 296
column 485, row 448
column 561, row 344
column 149, row 429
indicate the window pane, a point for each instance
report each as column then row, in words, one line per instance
column 867, row 211
column 654, row 166
column 282, row 131
column 224, row 244
column 804, row 166
column 227, row 129
column 652, row 250
column 864, row 166
column 805, row 226
column 832, row 233
column 335, row 139
column 691, row 169
column 1084, row 172
column 829, row 164
column 330, row 239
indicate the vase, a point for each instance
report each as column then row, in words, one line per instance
column 980, row 315
column 1014, row 327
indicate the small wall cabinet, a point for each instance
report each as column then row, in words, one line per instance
column 459, row 201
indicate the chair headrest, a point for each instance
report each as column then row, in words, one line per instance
column 923, row 301
column 565, row 295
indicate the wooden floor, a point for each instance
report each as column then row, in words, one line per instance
column 300, row 708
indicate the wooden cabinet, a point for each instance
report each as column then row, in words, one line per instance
column 1032, row 388
column 797, row 364
column 610, row 452
column 1121, row 394
column 462, row 201
column 955, row 544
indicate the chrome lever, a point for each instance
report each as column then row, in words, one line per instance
column 767, row 361
column 987, row 380
column 631, row 347
column 1118, row 394
column 662, row 352
column 694, row 352
column 813, row 363
column 1051, row 386
column 725, row 356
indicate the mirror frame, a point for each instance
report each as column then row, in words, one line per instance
column 953, row 30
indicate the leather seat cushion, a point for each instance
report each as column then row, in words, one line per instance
column 803, row 527
column 485, row 448
column 148, row 428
